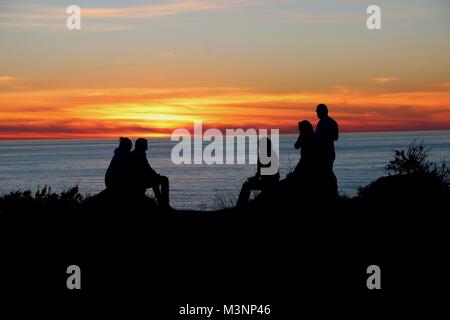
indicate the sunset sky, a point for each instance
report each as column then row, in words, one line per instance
column 145, row 68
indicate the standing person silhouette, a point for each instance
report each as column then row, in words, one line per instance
column 143, row 176
column 327, row 132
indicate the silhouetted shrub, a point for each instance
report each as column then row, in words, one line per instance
column 411, row 175
column 43, row 200
column 415, row 161
column 224, row 200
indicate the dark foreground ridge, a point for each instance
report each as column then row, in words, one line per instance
column 282, row 246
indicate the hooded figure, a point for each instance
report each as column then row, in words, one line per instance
column 114, row 177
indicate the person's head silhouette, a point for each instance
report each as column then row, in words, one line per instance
column 125, row 143
column 322, row 111
column 306, row 129
column 141, row 144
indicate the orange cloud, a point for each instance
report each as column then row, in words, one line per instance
column 4, row 78
column 385, row 79
column 98, row 113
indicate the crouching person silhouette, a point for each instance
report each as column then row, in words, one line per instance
column 115, row 175
column 259, row 181
column 143, row 176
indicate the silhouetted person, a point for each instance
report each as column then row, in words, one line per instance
column 307, row 143
column 327, row 132
column 143, row 176
column 260, row 181
column 115, row 174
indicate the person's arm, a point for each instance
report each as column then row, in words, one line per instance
column 336, row 131
column 148, row 173
column 258, row 169
column 151, row 172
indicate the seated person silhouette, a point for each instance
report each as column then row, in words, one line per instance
column 142, row 175
column 304, row 180
column 260, row 181
column 114, row 177
column 307, row 143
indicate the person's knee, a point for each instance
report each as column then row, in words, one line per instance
column 164, row 180
column 246, row 185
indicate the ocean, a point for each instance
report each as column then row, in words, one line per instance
column 360, row 159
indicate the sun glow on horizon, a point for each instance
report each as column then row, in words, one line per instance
column 85, row 113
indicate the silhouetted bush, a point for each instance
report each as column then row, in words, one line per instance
column 224, row 200
column 411, row 175
column 415, row 161
column 43, row 200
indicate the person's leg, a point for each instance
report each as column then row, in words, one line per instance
column 331, row 162
column 333, row 186
column 244, row 195
column 247, row 187
column 157, row 191
column 161, row 190
column 164, row 194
